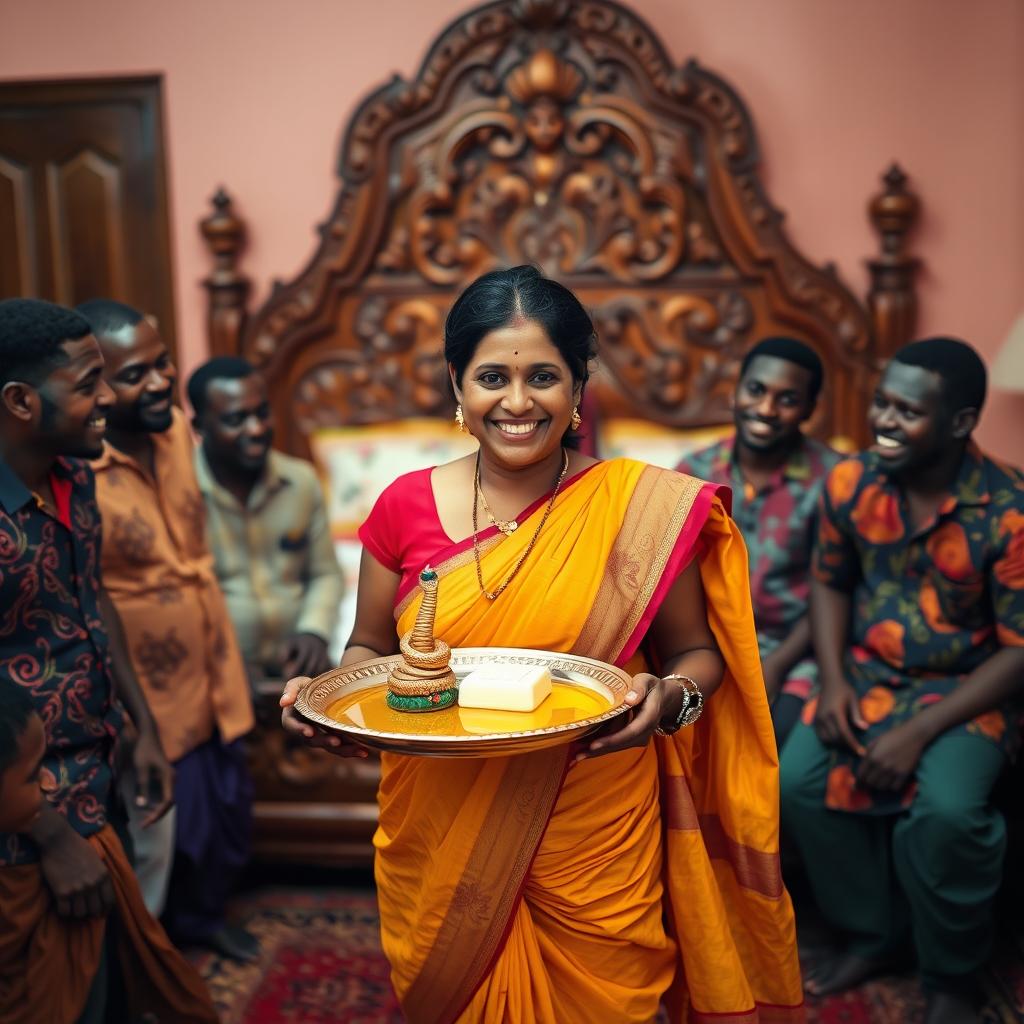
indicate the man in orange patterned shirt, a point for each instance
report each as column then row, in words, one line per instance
column 159, row 572
column 917, row 612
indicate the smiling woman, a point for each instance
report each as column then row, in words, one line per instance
column 531, row 887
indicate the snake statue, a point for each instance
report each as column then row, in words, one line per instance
column 422, row 680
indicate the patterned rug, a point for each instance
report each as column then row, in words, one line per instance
column 321, row 962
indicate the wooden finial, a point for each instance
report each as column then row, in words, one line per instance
column 892, row 300
column 227, row 288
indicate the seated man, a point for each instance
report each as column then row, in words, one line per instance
column 266, row 525
column 918, row 621
column 72, row 918
column 159, row 572
column 776, row 475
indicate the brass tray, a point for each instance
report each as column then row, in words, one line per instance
column 350, row 700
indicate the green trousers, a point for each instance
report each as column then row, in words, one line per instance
column 928, row 875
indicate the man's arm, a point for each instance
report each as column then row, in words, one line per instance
column 152, row 769
column 307, row 648
column 834, row 573
column 893, row 756
column 786, row 655
column 837, row 701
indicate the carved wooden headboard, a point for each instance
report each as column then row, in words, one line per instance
column 559, row 134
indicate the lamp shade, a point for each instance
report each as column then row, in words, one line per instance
column 1008, row 369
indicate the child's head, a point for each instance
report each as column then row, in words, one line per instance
column 22, row 746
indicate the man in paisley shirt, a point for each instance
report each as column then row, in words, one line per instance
column 918, row 622
column 160, row 574
column 776, row 475
column 71, row 915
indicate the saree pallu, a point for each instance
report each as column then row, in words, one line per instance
column 48, row 963
column 522, row 889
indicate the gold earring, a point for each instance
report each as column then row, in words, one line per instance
column 575, row 419
column 460, row 420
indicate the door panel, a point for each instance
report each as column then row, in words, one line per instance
column 83, row 196
column 17, row 248
column 85, row 199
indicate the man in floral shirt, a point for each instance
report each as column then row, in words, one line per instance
column 76, row 942
column 776, row 475
column 918, row 622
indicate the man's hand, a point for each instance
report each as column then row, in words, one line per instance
column 305, row 655
column 76, row 875
column 153, row 775
column 891, row 759
column 837, row 708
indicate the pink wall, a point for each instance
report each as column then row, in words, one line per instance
column 836, row 90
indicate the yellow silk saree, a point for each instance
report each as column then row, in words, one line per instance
column 524, row 889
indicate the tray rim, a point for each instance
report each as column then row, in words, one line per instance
column 373, row 666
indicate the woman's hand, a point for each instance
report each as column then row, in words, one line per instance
column 652, row 700
column 313, row 735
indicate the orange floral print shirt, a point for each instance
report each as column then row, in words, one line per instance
column 929, row 606
column 159, row 573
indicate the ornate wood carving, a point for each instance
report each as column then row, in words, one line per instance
column 227, row 288
column 892, row 299
column 560, row 134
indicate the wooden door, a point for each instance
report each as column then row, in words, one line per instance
column 83, row 194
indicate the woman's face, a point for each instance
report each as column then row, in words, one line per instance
column 517, row 394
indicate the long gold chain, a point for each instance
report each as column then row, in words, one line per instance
column 533, row 540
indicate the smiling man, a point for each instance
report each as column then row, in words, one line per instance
column 266, row 524
column 918, row 621
column 159, row 572
column 776, row 474
column 71, row 915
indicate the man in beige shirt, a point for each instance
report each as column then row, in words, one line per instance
column 266, row 525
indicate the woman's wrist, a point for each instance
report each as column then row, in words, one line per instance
column 685, row 706
column 672, row 702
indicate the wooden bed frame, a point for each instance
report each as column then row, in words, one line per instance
column 559, row 134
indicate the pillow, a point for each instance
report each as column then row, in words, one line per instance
column 651, row 442
column 357, row 463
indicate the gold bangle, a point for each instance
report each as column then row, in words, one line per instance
column 693, row 705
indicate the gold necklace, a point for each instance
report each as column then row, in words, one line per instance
column 477, row 494
column 506, row 526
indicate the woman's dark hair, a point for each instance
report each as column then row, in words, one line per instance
column 499, row 298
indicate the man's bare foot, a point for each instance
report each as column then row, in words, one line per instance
column 841, row 972
column 946, row 1008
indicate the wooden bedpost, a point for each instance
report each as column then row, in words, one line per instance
column 892, row 299
column 227, row 288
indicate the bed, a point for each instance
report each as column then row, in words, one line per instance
column 561, row 135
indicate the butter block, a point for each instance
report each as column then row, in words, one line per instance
column 505, row 687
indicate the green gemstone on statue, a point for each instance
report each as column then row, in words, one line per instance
column 428, row 576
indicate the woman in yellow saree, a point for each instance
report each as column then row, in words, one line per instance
column 575, row 885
